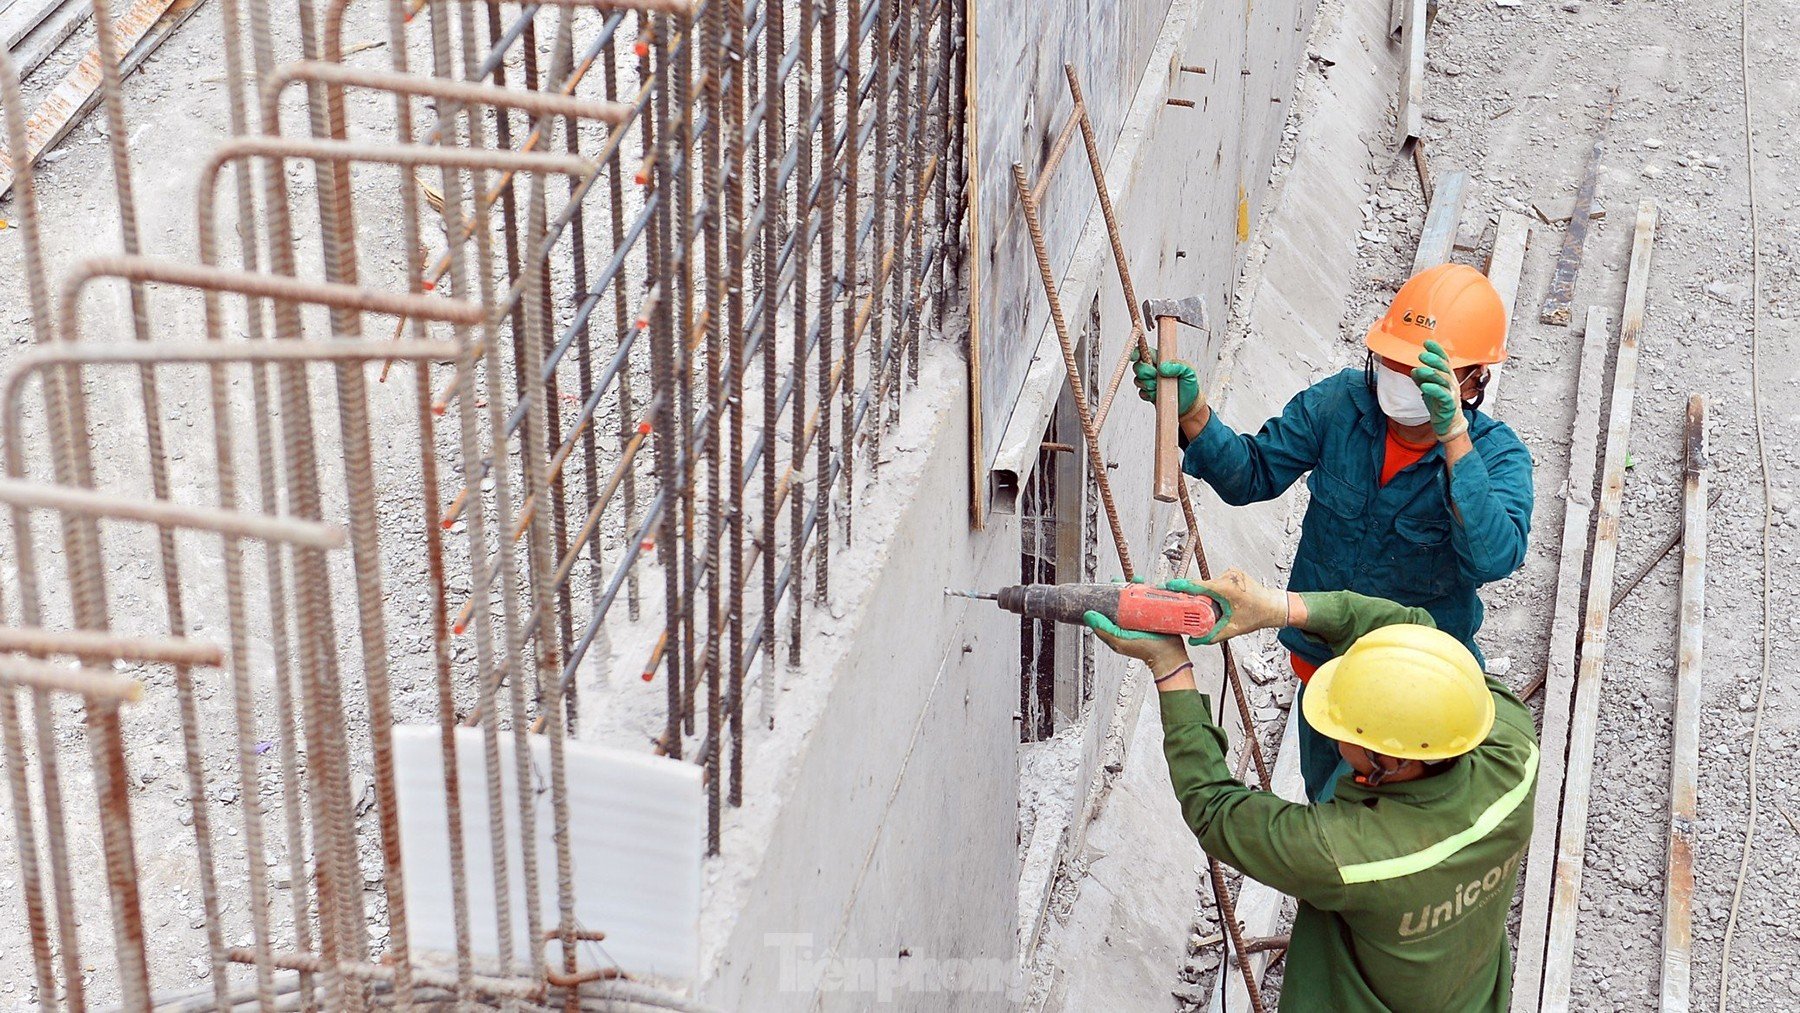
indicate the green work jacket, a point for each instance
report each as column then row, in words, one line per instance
column 1403, row 888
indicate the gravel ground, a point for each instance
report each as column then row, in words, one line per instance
column 1514, row 95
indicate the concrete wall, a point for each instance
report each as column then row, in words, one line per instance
column 1021, row 102
column 885, row 827
column 895, row 824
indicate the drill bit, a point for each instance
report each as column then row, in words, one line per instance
column 983, row 595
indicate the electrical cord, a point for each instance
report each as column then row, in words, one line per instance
column 1762, row 453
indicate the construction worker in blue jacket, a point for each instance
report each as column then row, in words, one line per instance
column 1417, row 496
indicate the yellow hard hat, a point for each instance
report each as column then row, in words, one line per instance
column 1405, row 691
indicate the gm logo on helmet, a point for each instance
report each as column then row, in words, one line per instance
column 1420, row 319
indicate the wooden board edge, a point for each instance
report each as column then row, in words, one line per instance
column 1442, row 218
column 79, row 91
column 48, row 37
column 1409, row 111
column 1565, row 909
column 1584, row 440
column 978, row 471
column 1684, row 752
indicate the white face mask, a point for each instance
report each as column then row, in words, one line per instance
column 1400, row 398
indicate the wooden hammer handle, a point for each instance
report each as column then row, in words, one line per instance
column 1168, row 418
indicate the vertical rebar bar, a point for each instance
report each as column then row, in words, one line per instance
column 534, row 453
column 681, row 109
column 805, row 233
column 584, row 367
column 736, row 171
column 670, row 440
column 489, row 669
column 879, row 353
column 714, row 68
column 830, row 273
column 622, row 319
column 774, row 208
column 851, row 168
column 37, row 291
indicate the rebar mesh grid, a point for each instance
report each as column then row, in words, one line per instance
column 646, row 312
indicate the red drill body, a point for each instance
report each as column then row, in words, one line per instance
column 1131, row 606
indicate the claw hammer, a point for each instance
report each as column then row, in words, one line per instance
column 1164, row 315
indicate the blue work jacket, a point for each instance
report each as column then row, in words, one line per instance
column 1425, row 539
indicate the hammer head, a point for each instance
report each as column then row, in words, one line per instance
column 1190, row 311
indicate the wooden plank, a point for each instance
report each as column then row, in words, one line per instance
column 1684, row 764
column 1410, row 122
column 1505, row 264
column 1441, row 220
column 1511, row 236
column 978, row 460
column 142, row 28
column 1259, row 906
column 1565, row 906
column 1397, row 16
column 19, row 17
column 1568, row 263
column 49, row 35
column 1559, row 674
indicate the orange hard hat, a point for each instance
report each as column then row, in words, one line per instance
column 1452, row 304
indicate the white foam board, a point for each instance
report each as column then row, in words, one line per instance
column 636, row 830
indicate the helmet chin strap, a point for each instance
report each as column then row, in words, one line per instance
column 1481, row 384
column 1377, row 773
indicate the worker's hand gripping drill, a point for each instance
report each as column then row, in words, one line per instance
column 1244, row 605
column 1442, row 392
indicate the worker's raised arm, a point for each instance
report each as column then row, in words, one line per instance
column 1336, row 618
column 1490, row 502
column 1340, row 618
column 1489, row 492
column 1245, row 468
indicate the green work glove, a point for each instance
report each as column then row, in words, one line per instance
column 1149, row 374
column 1443, row 394
column 1245, row 605
column 1195, row 587
column 1100, row 624
column 1148, row 648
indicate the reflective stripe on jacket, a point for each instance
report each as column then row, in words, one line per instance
column 1422, row 539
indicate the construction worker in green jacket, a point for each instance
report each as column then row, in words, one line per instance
column 1405, row 876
